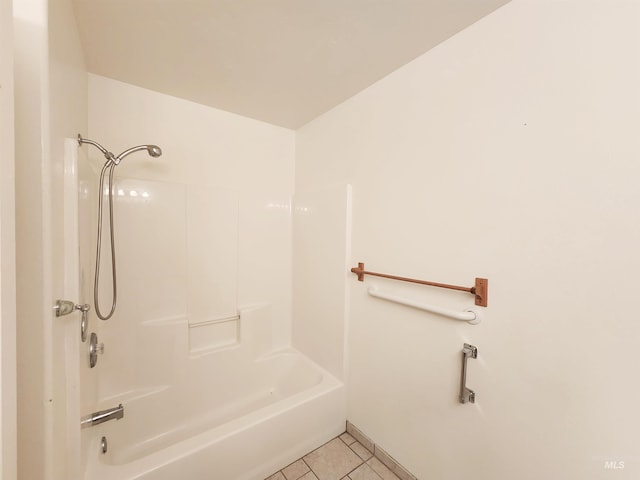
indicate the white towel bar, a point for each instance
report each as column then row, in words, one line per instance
column 470, row 315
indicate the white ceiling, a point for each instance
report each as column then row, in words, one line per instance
column 281, row 61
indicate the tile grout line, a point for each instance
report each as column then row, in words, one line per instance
column 360, row 438
column 364, row 462
column 308, row 466
column 326, row 443
column 348, row 474
column 378, row 452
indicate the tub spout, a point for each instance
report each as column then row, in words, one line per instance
column 96, row 418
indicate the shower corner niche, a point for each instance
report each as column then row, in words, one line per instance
column 250, row 329
column 215, row 334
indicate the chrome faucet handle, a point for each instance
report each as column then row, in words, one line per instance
column 84, row 323
column 65, row 307
column 95, row 348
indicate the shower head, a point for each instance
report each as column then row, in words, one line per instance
column 153, row 150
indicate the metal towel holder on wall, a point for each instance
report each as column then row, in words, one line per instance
column 480, row 289
column 470, row 315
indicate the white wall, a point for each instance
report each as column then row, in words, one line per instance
column 321, row 254
column 215, row 234
column 7, row 250
column 50, row 104
column 68, row 113
column 508, row 152
column 32, row 328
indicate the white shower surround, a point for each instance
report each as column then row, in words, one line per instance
column 240, row 409
column 178, row 358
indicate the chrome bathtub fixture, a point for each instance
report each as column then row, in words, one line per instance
column 104, row 445
column 111, row 163
column 65, row 307
column 95, row 348
column 466, row 394
column 96, row 418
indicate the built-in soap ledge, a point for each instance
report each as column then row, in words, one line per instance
column 172, row 321
column 215, row 334
column 250, row 330
column 130, row 395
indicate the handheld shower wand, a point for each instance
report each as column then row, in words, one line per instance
column 111, row 163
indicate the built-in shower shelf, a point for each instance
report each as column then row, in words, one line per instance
column 165, row 321
column 130, row 395
column 212, row 335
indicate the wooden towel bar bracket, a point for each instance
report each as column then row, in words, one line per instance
column 480, row 289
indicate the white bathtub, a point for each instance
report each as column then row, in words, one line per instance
column 231, row 415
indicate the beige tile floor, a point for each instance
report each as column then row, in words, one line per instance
column 343, row 458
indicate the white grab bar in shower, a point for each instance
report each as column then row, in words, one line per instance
column 470, row 315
